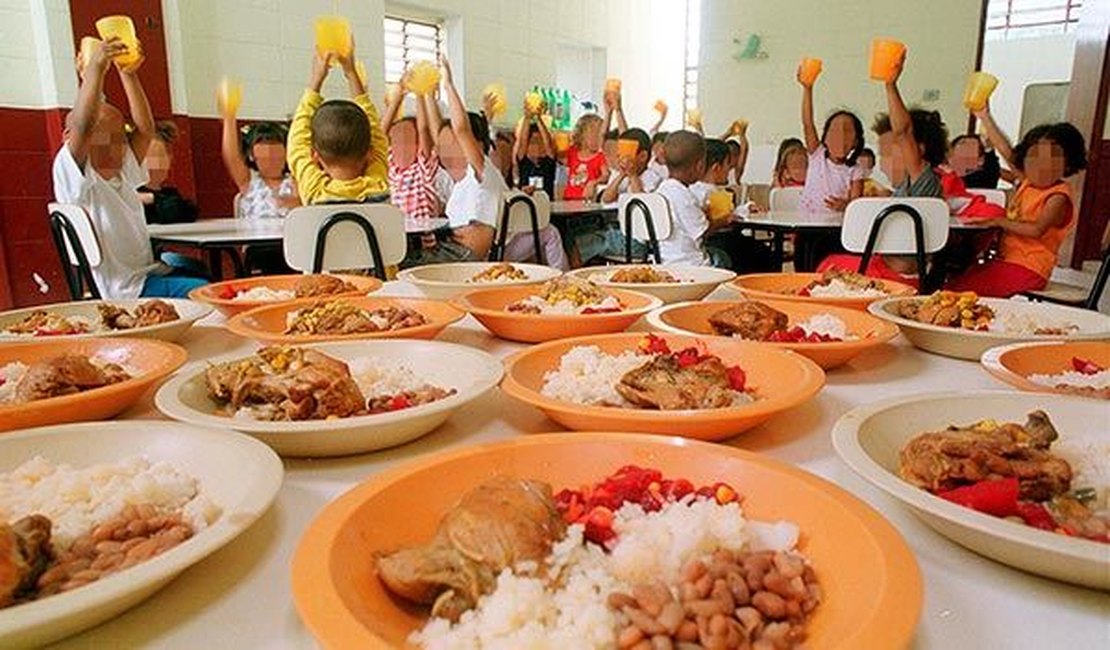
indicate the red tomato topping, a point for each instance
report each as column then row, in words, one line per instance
column 1086, row 366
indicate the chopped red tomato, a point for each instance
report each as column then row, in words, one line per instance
column 228, row 292
column 737, row 378
column 687, row 357
column 998, row 497
column 1086, row 366
column 652, row 344
column 399, row 402
column 798, row 335
column 1036, row 515
column 600, row 310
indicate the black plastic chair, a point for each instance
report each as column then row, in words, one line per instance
column 367, row 230
column 918, row 236
column 497, row 253
column 634, row 206
column 77, row 272
column 1073, row 296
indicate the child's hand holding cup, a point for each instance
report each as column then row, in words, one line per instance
column 229, row 95
column 887, row 56
column 808, row 71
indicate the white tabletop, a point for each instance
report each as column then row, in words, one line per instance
column 822, row 220
column 240, row 597
column 248, row 231
column 572, row 208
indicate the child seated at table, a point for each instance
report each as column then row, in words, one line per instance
column 337, row 149
column 534, row 152
column 413, row 163
column 871, row 187
column 791, row 164
column 633, row 173
column 685, row 156
column 657, row 164
column 745, row 253
column 586, row 164
column 266, row 190
column 1041, row 213
column 976, row 165
column 97, row 168
column 832, row 177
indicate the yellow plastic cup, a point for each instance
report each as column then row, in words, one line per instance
column 627, row 149
column 720, row 204
column 811, row 69
column 533, row 102
column 739, row 127
column 562, row 141
column 497, row 92
column 693, row 117
column 333, row 35
column 423, row 77
column 660, row 106
column 123, row 28
column 87, row 45
column 980, row 85
column 885, row 53
column 612, row 85
column 229, row 96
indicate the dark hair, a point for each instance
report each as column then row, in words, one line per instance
column 929, row 131
column 733, row 147
column 716, row 152
column 166, row 131
column 683, row 149
column 785, row 148
column 866, row 152
column 659, row 138
column 612, row 134
column 969, row 136
column 480, row 128
column 340, row 131
column 643, row 140
column 857, row 146
column 1061, row 134
column 263, row 133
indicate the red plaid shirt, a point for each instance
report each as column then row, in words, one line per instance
column 413, row 188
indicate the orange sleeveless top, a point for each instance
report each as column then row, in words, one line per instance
column 1036, row 254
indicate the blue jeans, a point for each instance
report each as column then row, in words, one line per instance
column 173, row 285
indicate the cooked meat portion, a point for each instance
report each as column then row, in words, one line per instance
column 850, row 278
column 65, row 375
column 151, row 312
column 944, row 460
column 344, row 318
column 665, row 385
column 500, row 272
column 426, row 394
column 750, row 320
column 641, row 275
column 948, row 309
column 298, row 385
column 41, row 322
column 25, row 552
column 498, row 524
column 312, row 286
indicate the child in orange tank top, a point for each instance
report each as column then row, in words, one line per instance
column 1041, row 213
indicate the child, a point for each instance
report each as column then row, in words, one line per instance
column 912, row 144
column 657, row 164
column 871, row 187
column 478, row 192
column 738, row 148
column 1042, row 210
column 98, row 169
column 163, row 203
column 337, row 149
column 413, row 163
column 266, row 189
column 832, row 177
column 534, row 152
column 586, row 165
column 976, row 165
column 633, row 174
column 791, row 164
column 745, row 253
column 685, row 155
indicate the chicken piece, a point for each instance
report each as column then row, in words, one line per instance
column 948, row 309
column 43, row 323
column 314, row 286
column 501, row 523
column 25, row 552
column 753, row 321
column 66, row 375
column 944, row 460
column 665, row 385
column 498, row 273
column 641, row 275
column 343, row 318
column 151, row 312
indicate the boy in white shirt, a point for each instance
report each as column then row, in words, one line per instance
column 684, row 152
column 633, row 174
column 98, row 169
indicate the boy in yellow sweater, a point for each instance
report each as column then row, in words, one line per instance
column 337, row 150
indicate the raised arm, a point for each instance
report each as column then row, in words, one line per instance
column 298, row 149
column 520, row 141
column 742, row 159
column 997, row 138
column 231, row 150
column 82, row 119
column 435, row 118
column 545, row 137
column 393, row 102
column 424, row 141
column 618, row 111
column 809, row 129
column 659, row 122
column 139, row 108
column 902, row 126
column 460, row 124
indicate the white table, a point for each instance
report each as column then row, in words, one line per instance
column 240, row 597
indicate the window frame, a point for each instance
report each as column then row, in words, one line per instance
column 406, row 60
column 1012, row 26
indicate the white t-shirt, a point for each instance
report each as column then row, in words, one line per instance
column 649, row 178
column 443, row 184
column 825, row 179
column 701, row 191
column 116, row 212
column 474, row 200
column 658, row 169
column 688, row 226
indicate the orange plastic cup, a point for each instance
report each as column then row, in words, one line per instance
column 739, row 127
column 627, row 149
column 562, row 141
column 720, row 204
column 660, row 106
column 693, row 117
column 87, row 45
column 123, row 28
column 333, row 35
column 612, row 85
column 229, row 95
column 811, row 69
column 885, row 53
column 980, row 85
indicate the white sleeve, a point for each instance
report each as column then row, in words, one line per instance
column 69, row 179
column 133, row 174
column 690, row 216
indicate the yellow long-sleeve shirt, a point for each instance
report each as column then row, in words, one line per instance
column 315, row 186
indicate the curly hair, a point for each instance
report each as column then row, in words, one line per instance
column 581, row 125
column 1061, row 134
column 929, row 131
column 857, row 145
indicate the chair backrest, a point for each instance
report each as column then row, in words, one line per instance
column 759, row 194
column 345, row 236
column 236, row 207
column 996, row 197
column 785, row 199
column 897, row 233
column 516, row 215
column 77, row 246
column 86, row 234
column 635, row 211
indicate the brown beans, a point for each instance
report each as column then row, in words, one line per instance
column 769, row 604
column 630, row 636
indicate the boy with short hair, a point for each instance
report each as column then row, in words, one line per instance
column 684, row 152
column 745, row 254
column 337, row 149
column 633, row 174
column 98, row 169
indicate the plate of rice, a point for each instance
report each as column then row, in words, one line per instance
column 866, row 600
column 669, row 282
column 189, row 490
column 620, row 382
column 445, row 281
column 166, row 319
column 871, row 440
column 355, row 398
column 236, row 296
column 72, row 380
column 565, row 306
column 836, row 288
column 1067, row 367
column 964, row 325
column 830, row 336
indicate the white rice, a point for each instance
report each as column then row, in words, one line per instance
column 837, row 288
column 525, row 613
column 78, row 500
column 1017, row 324
column 827, row 325
column 91, row 326
column 10, row 374
column 1089, row 457
column 1073, row 379
column 264, row 294
column 568, row 308
column 588, row 376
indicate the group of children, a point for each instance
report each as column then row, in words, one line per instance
column 338, row 150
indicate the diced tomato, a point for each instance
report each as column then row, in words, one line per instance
column 1036, row 515
column 3, row 381
column 687, row 357
column 737, row 378
column 652, row 344
column 1086, row 366
column 804, row 291
column 599, row 525
column 997, row 497
column 228, row 292
column 399, row 402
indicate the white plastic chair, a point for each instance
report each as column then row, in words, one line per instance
column 785, row 199
column 996, row 197
column 896, row 226
column 335, row 236
column 78, row 247
column 236, row 208
column 646, row 217
column 521, row 213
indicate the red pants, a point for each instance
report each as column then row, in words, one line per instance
column 876, row 268
column 997, row 279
